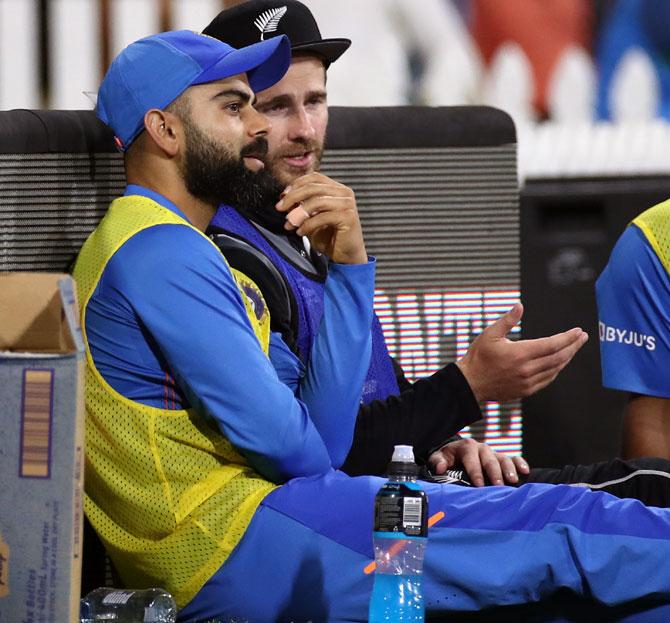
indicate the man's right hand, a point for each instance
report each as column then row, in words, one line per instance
column 325, row 211
column 501, row 369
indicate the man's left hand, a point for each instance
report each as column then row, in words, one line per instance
column 479, row 460
column 500, row 369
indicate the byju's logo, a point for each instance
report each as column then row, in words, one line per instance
column 626, row 336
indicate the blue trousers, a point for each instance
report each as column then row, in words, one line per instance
column 303, row 555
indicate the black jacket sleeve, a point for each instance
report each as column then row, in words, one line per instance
column 431, row 409
column 426, row 414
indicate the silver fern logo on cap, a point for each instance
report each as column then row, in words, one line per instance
column 268, row 21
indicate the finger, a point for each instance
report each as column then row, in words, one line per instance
column 543, row 346
column 317, row 205
column 324, row 203
column 506, row 322
column 337, row 234
column 556, row 361
column 522, row 466
column 508, row 469
column 491, row 463
column 297, row 216
column 295, row 195
column 473, row 466
column 310, row 207
column 309, row 178
column 438, row 462
column 337, row 220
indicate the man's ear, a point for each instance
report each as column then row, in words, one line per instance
column 162, row 127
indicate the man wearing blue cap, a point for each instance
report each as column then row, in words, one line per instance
column 181, row 397
column 211, row 471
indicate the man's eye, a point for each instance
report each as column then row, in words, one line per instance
column 233, row 107
column 271, row 108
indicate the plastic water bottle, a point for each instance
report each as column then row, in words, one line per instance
column 400, row 536
column 152, row 605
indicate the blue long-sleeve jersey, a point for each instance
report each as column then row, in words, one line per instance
column 296, row 421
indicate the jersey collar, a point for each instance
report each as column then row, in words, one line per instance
column 136, row 189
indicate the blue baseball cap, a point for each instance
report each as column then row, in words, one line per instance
column 156, row 70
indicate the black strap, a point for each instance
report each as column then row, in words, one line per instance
column 246, row 258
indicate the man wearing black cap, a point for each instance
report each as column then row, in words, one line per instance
column 431, row 409
column 291, row 278
column 205, row 474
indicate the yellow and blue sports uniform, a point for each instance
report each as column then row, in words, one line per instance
column 633, row 292
column 190, row 429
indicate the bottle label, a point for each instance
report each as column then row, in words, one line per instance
column 401, row 509
column 117, row 597
column 411, row 513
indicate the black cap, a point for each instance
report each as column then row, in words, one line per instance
column 256, row 20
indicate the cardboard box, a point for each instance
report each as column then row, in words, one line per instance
column 41, row 448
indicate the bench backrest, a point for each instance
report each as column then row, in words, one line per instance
column 436, row 188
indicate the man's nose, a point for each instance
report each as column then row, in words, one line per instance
column 257, row 123
column 301, row 125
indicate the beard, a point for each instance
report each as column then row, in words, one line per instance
column 215, row 175
column 261, row 207
column 298, row 146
